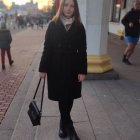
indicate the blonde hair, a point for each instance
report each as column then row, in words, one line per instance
column 60, row 11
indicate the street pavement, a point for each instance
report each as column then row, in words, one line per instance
column 24, row 46
column 108, row 109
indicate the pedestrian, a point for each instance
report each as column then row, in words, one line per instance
column 131, row 22
column 64, row 62
column 5, row 41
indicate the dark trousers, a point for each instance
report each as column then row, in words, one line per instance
column 65, row 109
column 3, row 55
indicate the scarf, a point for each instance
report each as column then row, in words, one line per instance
column 67, row 22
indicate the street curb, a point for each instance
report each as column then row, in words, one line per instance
column 9, row 122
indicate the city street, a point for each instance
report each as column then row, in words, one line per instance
column 24, row 46
column 108, row 109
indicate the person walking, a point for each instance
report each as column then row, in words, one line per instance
column 5, row 41
column 131, row 22
column 64, row 62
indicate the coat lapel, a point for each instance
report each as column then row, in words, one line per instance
column 62, row 27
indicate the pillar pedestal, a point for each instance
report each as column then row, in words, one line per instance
column 95, row 16
column 99, row 64
column 99, row 68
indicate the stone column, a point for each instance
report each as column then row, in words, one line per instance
column 82, row 8
column 96, row 24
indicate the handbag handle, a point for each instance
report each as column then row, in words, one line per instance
column 42, row 93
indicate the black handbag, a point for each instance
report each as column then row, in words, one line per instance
column 34, row 112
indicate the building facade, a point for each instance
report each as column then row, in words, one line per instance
column 95, row 17
column 99, row 18
column 118, row 9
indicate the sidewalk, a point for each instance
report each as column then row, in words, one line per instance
column 116, row 49
column 108, row 110
column 24, row 47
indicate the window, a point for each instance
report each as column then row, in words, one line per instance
column 116, row 11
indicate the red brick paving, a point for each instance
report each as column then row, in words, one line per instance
column 24, row 46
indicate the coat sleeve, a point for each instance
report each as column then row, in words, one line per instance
column 126, row 19
column 10, row 37
column 45, row 59
column 82, row 54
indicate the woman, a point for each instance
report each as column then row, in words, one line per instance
column 5, row 41
column 64, row 61
column 131, row 21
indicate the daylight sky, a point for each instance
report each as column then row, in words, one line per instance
column 24, row 1
column 20, row 2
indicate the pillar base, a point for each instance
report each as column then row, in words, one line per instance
column 110, row 75
column 98, row 64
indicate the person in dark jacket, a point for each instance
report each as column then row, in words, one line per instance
column 5, row 41
column 131, row 21
column 64, row 61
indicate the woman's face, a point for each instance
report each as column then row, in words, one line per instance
column 68, row 8
column 136, row 5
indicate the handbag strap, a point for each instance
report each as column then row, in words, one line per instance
column 42, row 96
column 37, row 88
column 42, row 93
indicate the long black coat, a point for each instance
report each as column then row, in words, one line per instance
column 63, row 58
column 5, row 38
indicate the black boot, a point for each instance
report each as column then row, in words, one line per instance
column 3, row 67
column 62, row 131
column 124, row 58
column 71, row 133
column 128, row 62
column 11, row 62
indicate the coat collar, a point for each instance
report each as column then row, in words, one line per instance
column 62, row 27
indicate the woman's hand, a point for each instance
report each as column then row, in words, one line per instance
column 81, row 77
column 130, row 24
column 43, row 75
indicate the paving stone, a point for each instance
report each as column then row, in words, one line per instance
column 5, row 135
column 101, row 123
column 24, row 52
column 108, row 110
column 127, row 99
column 50, row 126
column 118, row 116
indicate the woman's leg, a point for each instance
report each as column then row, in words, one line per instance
column 9, row 56
column 66, row 124
column 128, row 52
column 65, row 109
column 3, row 58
